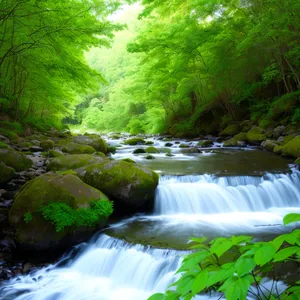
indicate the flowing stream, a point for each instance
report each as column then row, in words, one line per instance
column 137, row 257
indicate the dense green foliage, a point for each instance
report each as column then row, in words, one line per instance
column 43, row 72
column 236, row 266
column 62, row 215
column 198, row 65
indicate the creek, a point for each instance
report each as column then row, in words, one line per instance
column 218, row 192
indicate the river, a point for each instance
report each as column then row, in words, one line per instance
column 219, row 192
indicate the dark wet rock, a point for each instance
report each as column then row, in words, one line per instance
column 278, row 131
column 139, row 151
column 168, row 145
column 269, row 145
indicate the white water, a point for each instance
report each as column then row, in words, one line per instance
column 109, row 269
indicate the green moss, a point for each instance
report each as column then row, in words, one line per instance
column 47, row 144
column 149, row 143
column 28, row 217
column 3, row 145
column 149, row 156
column 111, row 149
column 292, row 148
column 62, row 215
column 135, row 141
column 297, row 161
column 241, row 137
column 184, row 146
column 152, row 150
column 15, row 159
column 255, row 135
column 6, row 173
column 278, row 149
column 71, row 162
column 92, row 140
column 288, row 138
column 67, row 172
column 74, row 148
column 129, row 160
column 206, row 143
column 54, row 153
column 231, row 143
column 230, row 130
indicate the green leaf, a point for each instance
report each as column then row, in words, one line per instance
column 157, row 296
column 264, row 254
column 184, row 285
column 220, row 246
column 244, row 265
column 237, row 289
column 240, row 239
column 200, row 282
column 291, row 218
column 285, row 253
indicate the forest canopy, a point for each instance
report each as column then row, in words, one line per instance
column 186, row 67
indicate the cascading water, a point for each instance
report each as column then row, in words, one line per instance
column 110, row 269
column 208, row 194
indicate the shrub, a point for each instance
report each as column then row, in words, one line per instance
column 209, row 269
column 61, row 215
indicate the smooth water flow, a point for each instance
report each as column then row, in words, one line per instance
column 208, row 194
column 109, row 268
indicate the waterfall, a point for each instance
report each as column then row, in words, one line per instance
column 107, row 269
column 208, row 194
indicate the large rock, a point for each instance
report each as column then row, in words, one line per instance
column 135, row 141
column 255, row 136
column 205, row 143
column 6, row 173
column 152, row 149
column 47, row 144
column 269, row 145
column 72, row 162
column 33, row 228
column 292, row 148
column 92, row 140
column 241, row 137
column 75, row 148
column 131, row 186
column 231, row 143
column 15, row 159
column 230, row 130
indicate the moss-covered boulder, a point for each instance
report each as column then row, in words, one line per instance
column 54, row 211
column 129, row 160
column 152, row 150
column 149, row 156
column 6, row 173
column 278, row 150
column 190, row 150
column 131, row 186
column 269, row 145
column 149, row 143
column 15, row 159
column 47, row 144
column 74, row 148
column 255, row 136
column 92, row 140
column 139, row 151
column 135, row 141
column 206, row 143
column 168, row 144
column 292, row 148
column 72, row 162
column 55, row 153
column 231, row 143
column 182, row 146
column 230, row 130
column 241, row 137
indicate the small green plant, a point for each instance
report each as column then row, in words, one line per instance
column 28, row 217
column 3, row 145
column 61, row 215
column 211, row 269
